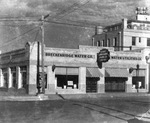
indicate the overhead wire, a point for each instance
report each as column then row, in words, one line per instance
column 69, row 10
column 75, row 9
column 65, row 10
column 70, row 24
column 7, row 42
column 35, row 39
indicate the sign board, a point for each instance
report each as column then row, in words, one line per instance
column 103, row 55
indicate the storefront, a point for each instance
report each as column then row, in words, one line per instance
column 72, row 71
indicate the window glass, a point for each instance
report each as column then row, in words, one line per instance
column 134, row 41
column 5, row 77
column 13, row 74
column 148, row 41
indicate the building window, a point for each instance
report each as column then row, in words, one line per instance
column 133, row 41
column 4, row 77
column 115, row 42
column 102, row 43
column 139, row 39
column 108, row 42
column 13, row 75
column 23, row 71
column 67, row 78
column 148, row 41
column 98, row 43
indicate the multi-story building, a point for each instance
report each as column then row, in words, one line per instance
column 126, row 35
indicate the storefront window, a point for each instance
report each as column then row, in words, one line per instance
column 14, row 80
column 5, row 77
column 67, row 78
column 138, row 83
column 23, row 71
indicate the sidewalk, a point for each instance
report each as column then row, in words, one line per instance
column 67, row 96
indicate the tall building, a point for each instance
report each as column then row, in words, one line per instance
column 126, row 35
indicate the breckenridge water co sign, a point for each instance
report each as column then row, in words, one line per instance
column 68, row 55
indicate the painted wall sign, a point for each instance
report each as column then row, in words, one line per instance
column 125, row 58
column 70, row 55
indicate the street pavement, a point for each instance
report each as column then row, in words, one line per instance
column 78, row 108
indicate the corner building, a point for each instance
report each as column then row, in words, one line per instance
column 72, row 71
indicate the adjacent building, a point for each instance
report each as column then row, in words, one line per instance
column 126, row 35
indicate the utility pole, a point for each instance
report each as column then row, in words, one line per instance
column 43, row 54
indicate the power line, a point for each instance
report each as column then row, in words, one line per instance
column 7, row 42
column 35, row 39
column 65, row 10
column 70, row 24
column 74, row 9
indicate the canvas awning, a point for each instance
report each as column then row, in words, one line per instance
column 93, row 72
column 117, row 73
column 66, row 71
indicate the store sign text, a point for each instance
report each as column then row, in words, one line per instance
column 70, row 55
column 125, row 58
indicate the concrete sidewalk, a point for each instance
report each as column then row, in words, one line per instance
column 29, row 98
column 67, row 96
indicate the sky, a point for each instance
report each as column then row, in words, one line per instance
column 77, row 12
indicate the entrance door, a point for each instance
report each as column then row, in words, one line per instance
column 91, row 85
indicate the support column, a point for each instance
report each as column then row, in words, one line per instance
column 19, row 78
column 101, row 82
column 9, row 78
column 1, row 78
column 32, row 77
column 129, row 85
column 51, row 85
column 82, row 79
column 148, row 78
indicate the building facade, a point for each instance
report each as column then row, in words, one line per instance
column 126, row 35
column 72, row 71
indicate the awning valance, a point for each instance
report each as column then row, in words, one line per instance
column 117, row 73
column 66, row 71
column 140, row 73
column 93, row 72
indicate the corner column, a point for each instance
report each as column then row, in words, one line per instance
column 9, row 78
column 32, row 77
column 19, row 78
column 51, row 85
column 82, row 79
column 1, row 78
column 101, row 82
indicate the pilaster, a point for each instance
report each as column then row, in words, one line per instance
column 9, row 78
column 19, row 77
column 82, row 79
column 101, row 82
column 51, row 85
column 32, row 77
column 129, row 85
